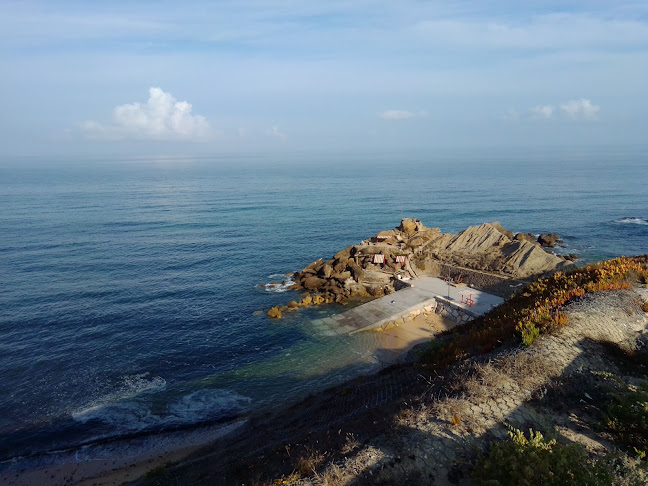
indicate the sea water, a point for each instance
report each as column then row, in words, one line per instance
column 130, row 301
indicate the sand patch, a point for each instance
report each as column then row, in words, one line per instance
column 397, row 340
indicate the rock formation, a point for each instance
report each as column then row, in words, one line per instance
column 369, row 268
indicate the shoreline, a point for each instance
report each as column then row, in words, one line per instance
column 107, row 465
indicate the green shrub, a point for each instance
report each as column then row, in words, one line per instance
column 529, row 333
column 536, row 461
column 626, row 418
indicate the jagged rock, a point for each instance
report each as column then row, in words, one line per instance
column 340, row 266
column 409, row 225
column 487, row 247
column 342, row 276
column 357, row 272
column 313, row 265
column 478, row 238
column 572, row 257
column 274, row 313
column 548, row 239
column 530, row 237
column 313, row 283
column 326, row 270
column 306, row 300
column 345, row 254
column 498, row 226
column 524, row 259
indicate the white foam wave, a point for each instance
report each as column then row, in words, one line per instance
column 632, row 221
column 132, row 414
column 130, row 387
column 281, row 283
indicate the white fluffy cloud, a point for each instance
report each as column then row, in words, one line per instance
column 399, row 114
column 162, row 117
column 580, row 109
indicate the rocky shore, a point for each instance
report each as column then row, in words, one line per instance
column 377, row 265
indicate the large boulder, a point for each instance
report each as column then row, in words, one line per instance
column 357, row 271
column 409, row 225
column 326, row 270
column 530, row 237
column 342, row 276
column 548, row 239
column 314, row 265
column 274, row 313
column 313, row 283
column 345, row 254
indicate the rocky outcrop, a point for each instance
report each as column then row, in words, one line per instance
column 356, row 270
column 490, row 248
column 548, row 240
column 530, row 237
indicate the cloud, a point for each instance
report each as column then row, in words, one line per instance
column 580, row 109
column 275, row 132
column 162, row 117
column 399, row 114
column 544, row 111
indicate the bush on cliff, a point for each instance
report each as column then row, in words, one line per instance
column 523, row 461
column 537, row 309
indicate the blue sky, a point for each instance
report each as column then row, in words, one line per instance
column 247, row 76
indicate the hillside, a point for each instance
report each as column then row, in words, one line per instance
column 567, row 357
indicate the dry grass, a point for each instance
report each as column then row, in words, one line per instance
column 307, row 465
column 333, row 476
column 482, row 382
column 350, row 444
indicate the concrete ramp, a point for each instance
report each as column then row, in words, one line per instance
column 422, row 293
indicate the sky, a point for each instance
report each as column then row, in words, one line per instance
column 121, row 77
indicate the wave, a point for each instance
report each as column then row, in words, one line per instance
column 116, row 404
column 280, row 283
column 628, row 220
column 128, row 411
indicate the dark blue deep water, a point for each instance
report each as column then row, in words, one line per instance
column 129, row 297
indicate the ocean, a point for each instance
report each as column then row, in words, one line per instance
column 132, row 291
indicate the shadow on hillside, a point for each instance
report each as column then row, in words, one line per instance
column 369, row 411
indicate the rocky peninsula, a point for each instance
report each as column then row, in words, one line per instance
column 483, row 257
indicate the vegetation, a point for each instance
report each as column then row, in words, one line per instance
column 537, row 309
column 626, row 418
column 536, row 461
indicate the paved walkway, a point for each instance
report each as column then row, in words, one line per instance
column 423, row 292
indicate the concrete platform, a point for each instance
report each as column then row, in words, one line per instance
column 421, row 293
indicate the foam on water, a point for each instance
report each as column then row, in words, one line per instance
column 628, row 220
column 279, row 283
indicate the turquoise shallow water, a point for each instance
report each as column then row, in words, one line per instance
column 129, row 288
